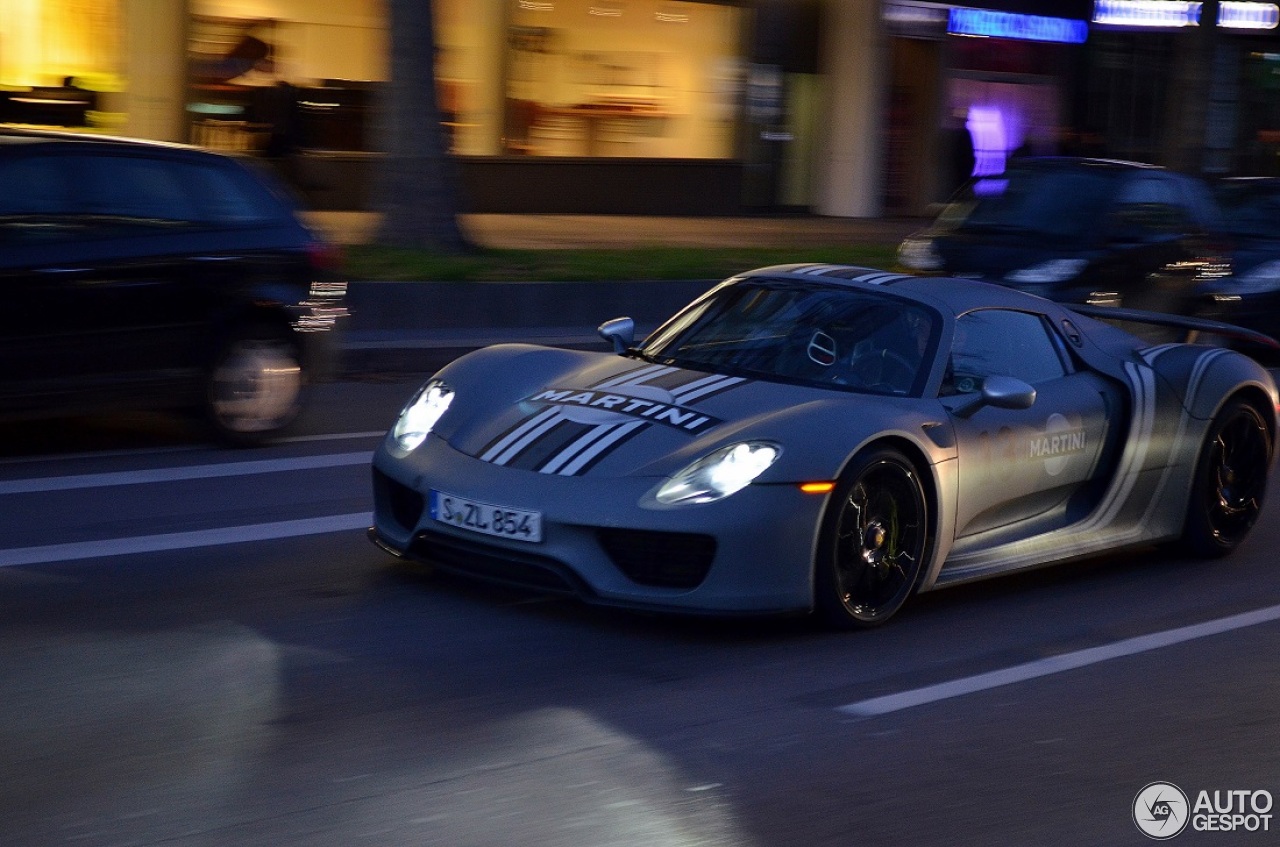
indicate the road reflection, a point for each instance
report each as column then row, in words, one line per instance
column 154, row 730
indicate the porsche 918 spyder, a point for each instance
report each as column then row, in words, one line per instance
column 829, row 439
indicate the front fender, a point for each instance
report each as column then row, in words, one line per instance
column 819, row 437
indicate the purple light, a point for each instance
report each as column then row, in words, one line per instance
column 986, row 125
column 990, row 187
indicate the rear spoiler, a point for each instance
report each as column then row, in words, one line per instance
column 1192, row 325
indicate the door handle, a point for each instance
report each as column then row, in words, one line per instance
column 218, row 258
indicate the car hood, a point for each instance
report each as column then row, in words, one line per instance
column 577, row 413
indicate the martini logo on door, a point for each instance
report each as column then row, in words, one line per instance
column 1060, row 441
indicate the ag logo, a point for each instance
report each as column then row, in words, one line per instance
column 822, row 349
column 1161, row 811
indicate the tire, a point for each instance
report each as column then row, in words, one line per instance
column 874, row 541
column 254, row 386
column 1230, row 482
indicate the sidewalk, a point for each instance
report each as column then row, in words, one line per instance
column 551, row 232
column 420, row 326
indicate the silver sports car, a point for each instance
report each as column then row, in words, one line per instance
column 830, row 439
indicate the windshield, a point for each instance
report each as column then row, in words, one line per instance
column 1060, row 201
column 808, row 334
column 1251, row 208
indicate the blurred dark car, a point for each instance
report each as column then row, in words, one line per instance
column 148, row 275
column 1082, row 230
column 1251, row 216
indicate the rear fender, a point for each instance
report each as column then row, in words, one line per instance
column 1206, row 378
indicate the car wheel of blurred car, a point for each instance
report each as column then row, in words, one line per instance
column 1230, row 481
column 255, row 385
column 875, row 538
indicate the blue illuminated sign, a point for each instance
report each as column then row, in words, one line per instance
column 1153, row 13
column 1235, row 15
column 1232, row 14
column 1024, row 27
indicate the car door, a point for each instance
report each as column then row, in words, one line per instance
column 42, row 239
column 149, row 306
column 1155, row 252
column 1024, row 470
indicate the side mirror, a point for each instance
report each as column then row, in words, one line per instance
column 1002, row 392
column 621, row 332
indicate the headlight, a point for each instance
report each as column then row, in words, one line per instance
column 421, row 414
column 1259, row 280
column 719, row 474
column 1054, row 270
column 920, row 254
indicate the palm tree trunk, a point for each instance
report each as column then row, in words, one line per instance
column 417, row 188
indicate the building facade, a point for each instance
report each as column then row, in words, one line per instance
column 838, row 107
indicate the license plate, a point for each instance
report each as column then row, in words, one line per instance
column 486, row 518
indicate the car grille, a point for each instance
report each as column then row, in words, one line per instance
column 660, row 559
column 404, row 504
column 510, row 567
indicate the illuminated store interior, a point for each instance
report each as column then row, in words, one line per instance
column 60, row 62
column 849, row 107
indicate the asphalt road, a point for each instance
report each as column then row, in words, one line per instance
column 199, row 647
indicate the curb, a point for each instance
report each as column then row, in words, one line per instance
column 418, row 327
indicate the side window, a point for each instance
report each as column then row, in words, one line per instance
column 35, row 185
column 997, row 342
column 1198, row 199
column 35, row 203
column 227, row 194
column 1148, row 207
column 136, row 188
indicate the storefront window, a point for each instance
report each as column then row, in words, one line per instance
column 1260, row 117
column 277, row 76
column 469, row 60
column 60, row 63
column 637, row 78
column 1001, row 101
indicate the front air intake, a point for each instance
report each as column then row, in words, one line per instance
column 660, row 559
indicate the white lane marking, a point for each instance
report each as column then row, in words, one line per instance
column 1056, row 664
column 74, row 551
column 183, row 448
column 332, row 436
column 102, row 454
column 175, row 474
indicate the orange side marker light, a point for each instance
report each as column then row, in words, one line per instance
column 817, row 487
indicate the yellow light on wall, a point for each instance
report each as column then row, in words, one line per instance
column 606, row 9
column 670, row 13
column 44, row 41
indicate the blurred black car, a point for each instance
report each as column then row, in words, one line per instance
column 1080, row 230
column 145, row 275
column 1251, row 217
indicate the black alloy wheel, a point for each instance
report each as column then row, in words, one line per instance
column 875, row 540
column 1230, row 482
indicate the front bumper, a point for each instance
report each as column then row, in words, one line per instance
column 749, row 553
